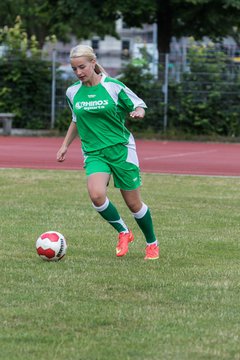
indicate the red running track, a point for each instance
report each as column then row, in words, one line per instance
column 155, row 156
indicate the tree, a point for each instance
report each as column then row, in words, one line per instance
column 197, row 18
column 61, row 18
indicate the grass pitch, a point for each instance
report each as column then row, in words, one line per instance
column 94, row 306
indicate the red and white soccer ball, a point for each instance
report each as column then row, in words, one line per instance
column 51, row 246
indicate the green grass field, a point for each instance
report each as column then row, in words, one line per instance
column 94, row 306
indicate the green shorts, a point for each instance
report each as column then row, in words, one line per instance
column 120, row 161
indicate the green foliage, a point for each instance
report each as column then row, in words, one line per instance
column 136, row 75
column 25, row 79
column 26, row 91
column 197, row 18
column 174, row 18
column 63, row 119
column 207, row 100
column 15, row 40
column 61, row 18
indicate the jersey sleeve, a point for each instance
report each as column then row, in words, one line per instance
column 130, row 100
column 70, row 93
column 122, row 95
column 71, row 108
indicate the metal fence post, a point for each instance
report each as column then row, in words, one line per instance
column 165, row 91
column 53, row 88
column 155, row 52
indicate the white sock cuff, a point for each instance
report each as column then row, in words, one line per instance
column 153, row 243
column 141, row 212
column 102, row 207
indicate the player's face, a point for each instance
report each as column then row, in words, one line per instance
column 83, row 68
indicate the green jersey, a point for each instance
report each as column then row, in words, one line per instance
column 100, row 112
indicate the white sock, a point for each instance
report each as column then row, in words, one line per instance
column 141, row 212
column 153, row 243
column 102, row 207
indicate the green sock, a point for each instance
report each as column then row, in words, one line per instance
column 144, row 220
column 110, row 214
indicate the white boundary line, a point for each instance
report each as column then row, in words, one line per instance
column 153, row 172
column 179, row 155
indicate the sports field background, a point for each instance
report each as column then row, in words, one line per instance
column 93, row 306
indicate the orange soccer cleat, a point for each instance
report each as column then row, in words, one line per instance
column 124, row 240
column 152, row 252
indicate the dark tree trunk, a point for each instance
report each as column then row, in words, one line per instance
column 164, row 21
column 164, row 25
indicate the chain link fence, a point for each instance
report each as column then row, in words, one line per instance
column 203, row 76
column 193, row 78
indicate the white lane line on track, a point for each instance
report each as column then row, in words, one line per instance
column 153, row 172
column 179, row 155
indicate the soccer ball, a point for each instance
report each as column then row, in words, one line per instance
column 51, row 246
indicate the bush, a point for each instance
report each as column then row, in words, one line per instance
column 63, row 119
column 25, row 79
column 26, row 91
column 207, row 101
column 139, row 79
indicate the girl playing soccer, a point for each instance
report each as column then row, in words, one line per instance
column 99, row 107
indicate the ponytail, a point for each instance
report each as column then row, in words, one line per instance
column 99, row 69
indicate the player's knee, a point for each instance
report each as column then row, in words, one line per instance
column 97, row 197
column 134, row 206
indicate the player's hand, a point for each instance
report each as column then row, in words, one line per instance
column 138, row 113
column 61, row 154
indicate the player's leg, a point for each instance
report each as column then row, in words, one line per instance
column 141, row 213
column 143, row 217
column 97, row 189
column 126, row 176
column 98, row 174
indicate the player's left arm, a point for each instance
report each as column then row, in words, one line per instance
column 138, row 113
column 132, row 103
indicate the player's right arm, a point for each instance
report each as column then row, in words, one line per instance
column 70, row 136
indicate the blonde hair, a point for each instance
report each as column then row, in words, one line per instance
column 87, row 51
